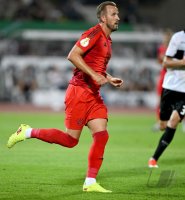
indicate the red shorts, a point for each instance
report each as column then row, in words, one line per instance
column 82, row 105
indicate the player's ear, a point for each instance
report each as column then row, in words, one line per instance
column 103, row 18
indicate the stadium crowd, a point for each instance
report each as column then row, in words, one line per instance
column 57, row 10
column 137, row 76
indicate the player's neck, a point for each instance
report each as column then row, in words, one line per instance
column 105, row 29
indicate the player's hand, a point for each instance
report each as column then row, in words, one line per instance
column 117, row 82
column 100, row 79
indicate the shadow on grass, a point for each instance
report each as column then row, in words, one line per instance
column 173, row 161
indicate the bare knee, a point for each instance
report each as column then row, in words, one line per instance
column 174, row 120
column 172, row 123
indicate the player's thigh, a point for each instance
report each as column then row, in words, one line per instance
column 76, row 109
column 166, row 104
column 178, row 112
column 97, row 125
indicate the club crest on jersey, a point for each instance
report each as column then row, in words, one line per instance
column 85, row 42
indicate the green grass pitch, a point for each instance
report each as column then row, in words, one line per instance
column 34, row 170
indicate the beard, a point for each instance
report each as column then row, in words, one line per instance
column 113, row 27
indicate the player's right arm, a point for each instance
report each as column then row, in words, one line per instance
column 174, row 58
column 170, row 62
column 76, row 57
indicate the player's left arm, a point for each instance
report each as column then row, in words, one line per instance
column 117, row 82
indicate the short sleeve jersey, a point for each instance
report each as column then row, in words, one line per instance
column 175, row 77
column 97, row 52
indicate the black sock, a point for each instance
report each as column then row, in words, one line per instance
column 164, row 142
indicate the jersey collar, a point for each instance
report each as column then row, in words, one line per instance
column 109, row 38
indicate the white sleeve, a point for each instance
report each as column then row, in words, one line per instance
column 173, row 46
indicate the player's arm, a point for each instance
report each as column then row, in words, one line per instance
column 160, row 54
column 76, row 57
column 117, row 82
column 169, row 62
column 171, row 53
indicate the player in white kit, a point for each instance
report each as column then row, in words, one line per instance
column 172, row 105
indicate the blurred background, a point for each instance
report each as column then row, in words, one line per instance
column 36, row 36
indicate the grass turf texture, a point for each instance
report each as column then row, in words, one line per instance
column 37, row 170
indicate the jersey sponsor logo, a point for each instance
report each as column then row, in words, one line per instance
column 183, row 110
column 84, row 42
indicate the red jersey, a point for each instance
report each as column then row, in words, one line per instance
column 97, row 52
column 161, row 52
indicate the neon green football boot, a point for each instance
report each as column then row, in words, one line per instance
column 18, row 136
column 95, row 187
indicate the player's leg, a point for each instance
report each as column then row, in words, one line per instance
column 178, row 103
column 175, row 118
column 100, row 137
column 67, row 139
column 168, row 135
column 165, row 113
column 95, row 158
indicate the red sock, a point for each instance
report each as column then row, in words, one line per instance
column 54, row 136
column 95, row 157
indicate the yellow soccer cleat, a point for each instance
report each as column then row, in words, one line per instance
column 18, row 136
column 95, row 187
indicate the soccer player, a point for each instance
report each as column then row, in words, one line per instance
column 83, row 103
column 160, row 56
column 172, row 107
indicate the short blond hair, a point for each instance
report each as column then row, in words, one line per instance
column 101, row 8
